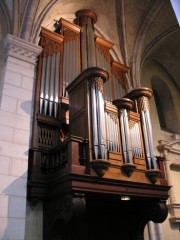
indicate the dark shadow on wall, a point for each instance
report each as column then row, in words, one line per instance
column 16, row 192
column 165, row 106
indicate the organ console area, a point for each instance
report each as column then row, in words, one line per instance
column 92, row 140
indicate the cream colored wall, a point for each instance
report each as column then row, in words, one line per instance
column 151, row 69
column 176, row 183
column 15, row 119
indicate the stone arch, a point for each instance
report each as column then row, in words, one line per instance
column 5, row 25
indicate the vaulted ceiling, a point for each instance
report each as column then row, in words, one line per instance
column 140, row 29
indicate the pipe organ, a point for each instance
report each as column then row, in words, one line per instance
column 89, row 131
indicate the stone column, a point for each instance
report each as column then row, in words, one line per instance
column 20, row 59
column 169, row 177
column 155, row 231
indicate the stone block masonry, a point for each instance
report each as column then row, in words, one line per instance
column 20, row 59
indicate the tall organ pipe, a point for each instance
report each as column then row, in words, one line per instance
column 84, row 47
column 127, row 134
column 86, row 19
column 51, row 84
column 56, row 85
column 43, row 76
column 47, row 79
column 151, row 145
column 64, row 69
column 91, row 47
column 98, row 118
column 142, row 96
column 123, row 139
column 148, row 157
column 94, row 121
column 101, row 123
column 124, row 104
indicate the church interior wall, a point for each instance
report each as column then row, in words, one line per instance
column 152, row 68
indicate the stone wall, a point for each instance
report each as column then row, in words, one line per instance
column 15, row 117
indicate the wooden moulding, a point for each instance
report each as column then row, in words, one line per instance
column 123, row 103
column 66, row 24
column 48, row 120
column 153, row 175
column 119, row 66
column 86, row 13
column 104, row 42
column 64, row 102
column 110, row 108
column 115, row 159
column 51, row 35
column 89, row 72
column 139, row 92
column 100, row 166
column 128, row 168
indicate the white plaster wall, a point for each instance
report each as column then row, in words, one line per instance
column 15, row 116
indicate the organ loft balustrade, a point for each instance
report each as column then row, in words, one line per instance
column 90, row 134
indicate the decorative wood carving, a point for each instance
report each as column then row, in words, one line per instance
column 66, row 207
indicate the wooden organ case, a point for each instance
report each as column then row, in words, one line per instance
column 92, row 142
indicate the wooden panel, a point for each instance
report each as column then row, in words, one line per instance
column 79, row 126
column 78, row 100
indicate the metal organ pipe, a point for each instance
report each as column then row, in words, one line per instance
column 91, row 47
column 101, row 123
column 56, row 85
column 51, row 85
column 47, row 79
column 98, row 118
column 49, row 89
column 42, row 84
column 143, row 104
column 136, row 141
column 94, row 121
column 123, row 139
column 64, row 69
column 83, row 47
column 124, row 104
column 151, row 145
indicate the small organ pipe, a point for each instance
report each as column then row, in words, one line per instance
column 107, row 130
column 110, row 133
column 139, row 140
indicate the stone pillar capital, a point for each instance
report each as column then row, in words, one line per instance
column 20, row 49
